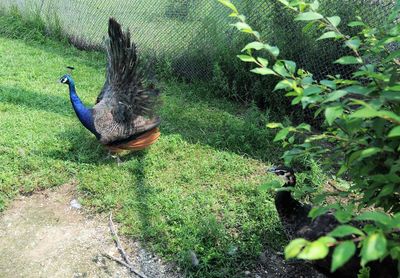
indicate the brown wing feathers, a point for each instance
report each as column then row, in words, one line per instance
column 124, row 107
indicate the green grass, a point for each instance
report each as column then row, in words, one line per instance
column 196, row 189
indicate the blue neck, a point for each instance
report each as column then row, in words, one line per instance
column 84, row 114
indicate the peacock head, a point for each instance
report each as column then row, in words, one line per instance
column 66, row 79
column 286, row 173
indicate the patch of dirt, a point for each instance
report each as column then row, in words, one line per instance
column 43, row 236
column 273, row 265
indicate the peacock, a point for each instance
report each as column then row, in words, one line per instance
column 124, row 115
column 297, row 224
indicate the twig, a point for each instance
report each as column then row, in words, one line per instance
column 124, row 264
column 121, row 250
column 117, row 241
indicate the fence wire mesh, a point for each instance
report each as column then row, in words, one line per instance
column 192, row 33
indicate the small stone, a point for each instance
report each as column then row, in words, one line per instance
column 193, row 258
column 247, row 273
column 75, row 204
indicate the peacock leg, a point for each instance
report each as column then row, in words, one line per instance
column 115, row 156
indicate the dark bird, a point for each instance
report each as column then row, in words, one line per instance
column 297, row 224
column 123, row 117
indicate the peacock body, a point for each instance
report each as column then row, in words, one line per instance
column 297, row 224
column 123, row 117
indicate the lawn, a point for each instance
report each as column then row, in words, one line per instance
column 196, row 189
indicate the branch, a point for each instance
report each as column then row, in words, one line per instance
column 121, row 250
column 117, row 241
column 124, row 264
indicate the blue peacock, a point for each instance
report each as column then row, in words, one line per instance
column 124, row 116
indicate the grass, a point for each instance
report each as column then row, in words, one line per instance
column 196, row 189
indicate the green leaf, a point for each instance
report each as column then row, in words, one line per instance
column 256, row 34
column 262, row 61
column 327, row 240
column 329, row 35
column 280, row 68
column 395, row 253
column 365, row 112
column 312, row 90
column 274, row 125
column 304, row 126
column 290, row 66
column 307, row 16
column 241, row 17
column 314, row 251
column 387, row 190
column 308, row 26
column 375, row 216
column 342, row 169
column 392, row 55
column 369, row 152
column 294, row 247
column 314, row 5
column 332, row 113
column 334, row 20
column 263, row 71
column 272, row 49
column 395, row 132
column 348, row 60
column 361, row 154
column 357, row 89
column 373, row 248
column 284, row 2
column 353, row 43
column 342, row 254
column 244, row 27
column 270, row 185
column 229, row 4
column 345, row 230
column 253, row 45
column 335, row 95
column 343, row 216
column 246, row 58
column 388, row 115
column 281, row 135
column 328, row 83
column 317, row 211
column 356, row 23
column 284, row 84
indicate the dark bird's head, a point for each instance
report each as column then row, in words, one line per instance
column 286, row 173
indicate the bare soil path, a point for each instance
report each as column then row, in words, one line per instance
column 43, row 236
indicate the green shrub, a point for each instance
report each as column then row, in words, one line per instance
column 361, row 132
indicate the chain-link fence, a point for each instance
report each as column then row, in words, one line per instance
column 172, row 27
column 195, row 38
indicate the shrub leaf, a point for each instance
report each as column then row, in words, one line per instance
column 342, row 253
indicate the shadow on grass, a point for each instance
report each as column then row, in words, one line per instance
column 196, row 118
column 206, row 120
column 33, row 100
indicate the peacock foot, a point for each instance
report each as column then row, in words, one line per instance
column 116, row 157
